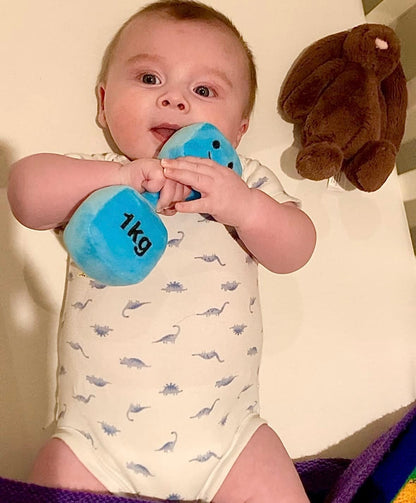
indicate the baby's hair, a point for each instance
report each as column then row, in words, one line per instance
column 182, row 10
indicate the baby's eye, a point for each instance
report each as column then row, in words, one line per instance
column 150, row 79
column 204, row 91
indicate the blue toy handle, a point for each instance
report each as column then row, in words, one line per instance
column 153, row 197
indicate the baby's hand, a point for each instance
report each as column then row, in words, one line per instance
column 171, row 193
column 147, row 174
column 224, row 195
column 143, row 174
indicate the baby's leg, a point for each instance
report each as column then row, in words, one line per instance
column 57, row 466
column 263, row 473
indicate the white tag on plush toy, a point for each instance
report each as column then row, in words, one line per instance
column 334, row 183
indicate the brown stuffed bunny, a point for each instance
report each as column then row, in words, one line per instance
column 348, row 93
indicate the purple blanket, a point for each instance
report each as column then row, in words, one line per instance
column 325, row 480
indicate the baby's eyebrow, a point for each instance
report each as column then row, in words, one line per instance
column 218, row 73
column 137, row 58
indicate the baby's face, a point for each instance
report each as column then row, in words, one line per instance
column 166, row 74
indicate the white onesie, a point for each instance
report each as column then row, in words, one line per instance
column 158, row 382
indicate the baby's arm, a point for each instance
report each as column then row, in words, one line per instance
column 45, row 189
column 280, row 236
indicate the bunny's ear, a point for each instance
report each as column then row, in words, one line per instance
column 394, row 91
column 312, row 57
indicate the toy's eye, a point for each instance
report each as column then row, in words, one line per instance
column 216, row 144
column 230, row 165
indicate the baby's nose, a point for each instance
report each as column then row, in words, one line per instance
column 179, row 105
column 174, row 101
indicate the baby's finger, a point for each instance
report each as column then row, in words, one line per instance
column 194, row 206
column 168, row 212
column 191, row 178
column 167, row 195
column 196, row 164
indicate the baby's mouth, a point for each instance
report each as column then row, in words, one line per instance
column 164, row 131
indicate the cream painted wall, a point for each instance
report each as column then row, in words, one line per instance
column 339, row 335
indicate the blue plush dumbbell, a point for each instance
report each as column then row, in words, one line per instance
column 115, row 236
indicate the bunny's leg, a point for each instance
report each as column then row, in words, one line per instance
column 318, row 161
column 372, row 165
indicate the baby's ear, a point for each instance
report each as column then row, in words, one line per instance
column 101, row 112
column 242, row 130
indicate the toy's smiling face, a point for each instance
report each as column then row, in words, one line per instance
column 202, row 140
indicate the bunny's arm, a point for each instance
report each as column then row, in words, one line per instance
column 303, row 98
column 395, row 95
column 317, row 61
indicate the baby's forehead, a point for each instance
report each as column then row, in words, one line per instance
column 154, row 24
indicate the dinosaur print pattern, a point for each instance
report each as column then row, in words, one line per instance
column 169, row 446
column 230, row 286
column 211, row 258
column 203, row 458
column 174, row 286
column 259, row 182
column 131, row 363
column 139, row 469
column 88, row 437
column 225, row 381
column 96, row 284
column 175, row 242
column 206, row 411
column 169, row 338
column 170, row 389
column 131, row 305
column 163, row 375
column 134, row 409
column 252, row 351
column 101, row 330
column 81, row 305
column 209, row 356
column 82, row 398
column 174, row 497
column 97, row 381
column 109, row 429
column 213, row 311
column 238, row 329
column 77, row 347
column 223, row 420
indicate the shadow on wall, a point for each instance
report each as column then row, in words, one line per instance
column 5, row 161
column 353, row 446
column 25, row 324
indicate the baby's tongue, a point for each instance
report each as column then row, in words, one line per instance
column 166, row 133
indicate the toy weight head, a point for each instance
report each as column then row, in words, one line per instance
column 115, row 236
column 202, row 140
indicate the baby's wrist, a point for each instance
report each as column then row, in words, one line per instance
column 129, row 175
column 249, row 211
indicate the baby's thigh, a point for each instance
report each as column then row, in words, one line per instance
column 263, row 473
column 57, row 466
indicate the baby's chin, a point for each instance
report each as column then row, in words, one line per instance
column 149, row 153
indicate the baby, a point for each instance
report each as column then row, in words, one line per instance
column 158, row 381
